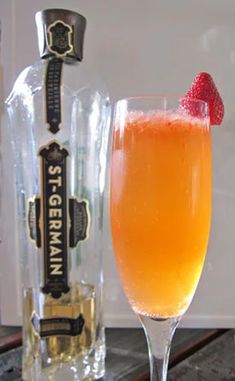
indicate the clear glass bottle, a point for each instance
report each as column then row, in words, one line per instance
column 59, row 118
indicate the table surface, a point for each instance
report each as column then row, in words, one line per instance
column 196, row 355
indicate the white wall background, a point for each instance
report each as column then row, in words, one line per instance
column 143, row 47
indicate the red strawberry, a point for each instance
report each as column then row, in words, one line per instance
column 203, row 88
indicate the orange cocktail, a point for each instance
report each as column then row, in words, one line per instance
column 160, row 208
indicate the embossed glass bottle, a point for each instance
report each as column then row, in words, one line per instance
column 59, row 120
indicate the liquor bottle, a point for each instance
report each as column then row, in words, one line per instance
column 59, row 117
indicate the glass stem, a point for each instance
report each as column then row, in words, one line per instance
column 159, row 334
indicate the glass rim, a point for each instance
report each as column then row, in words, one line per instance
column 175, row 97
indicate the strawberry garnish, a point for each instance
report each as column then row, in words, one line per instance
column 203, row 88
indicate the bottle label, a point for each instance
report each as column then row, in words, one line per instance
column 34, row 220
column 54, row 215
column 60, row 38
column 55, row 221
column 58, row 326
column 53, row 94
column 80, row 221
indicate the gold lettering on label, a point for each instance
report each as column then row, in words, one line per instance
column 56, row 269
column 55, row 213
column 56, row 259
column 54, row 251
column 55, row 200
column 54, row 170
column 54, row 240
column 57, row 181
column 55, row 224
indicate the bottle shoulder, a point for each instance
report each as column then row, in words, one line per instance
column 76, row 79
column 80, row 75
column 28, row 82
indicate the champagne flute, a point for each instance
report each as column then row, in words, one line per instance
column 160, row 211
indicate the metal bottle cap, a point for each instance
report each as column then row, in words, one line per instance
column 60, row 33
